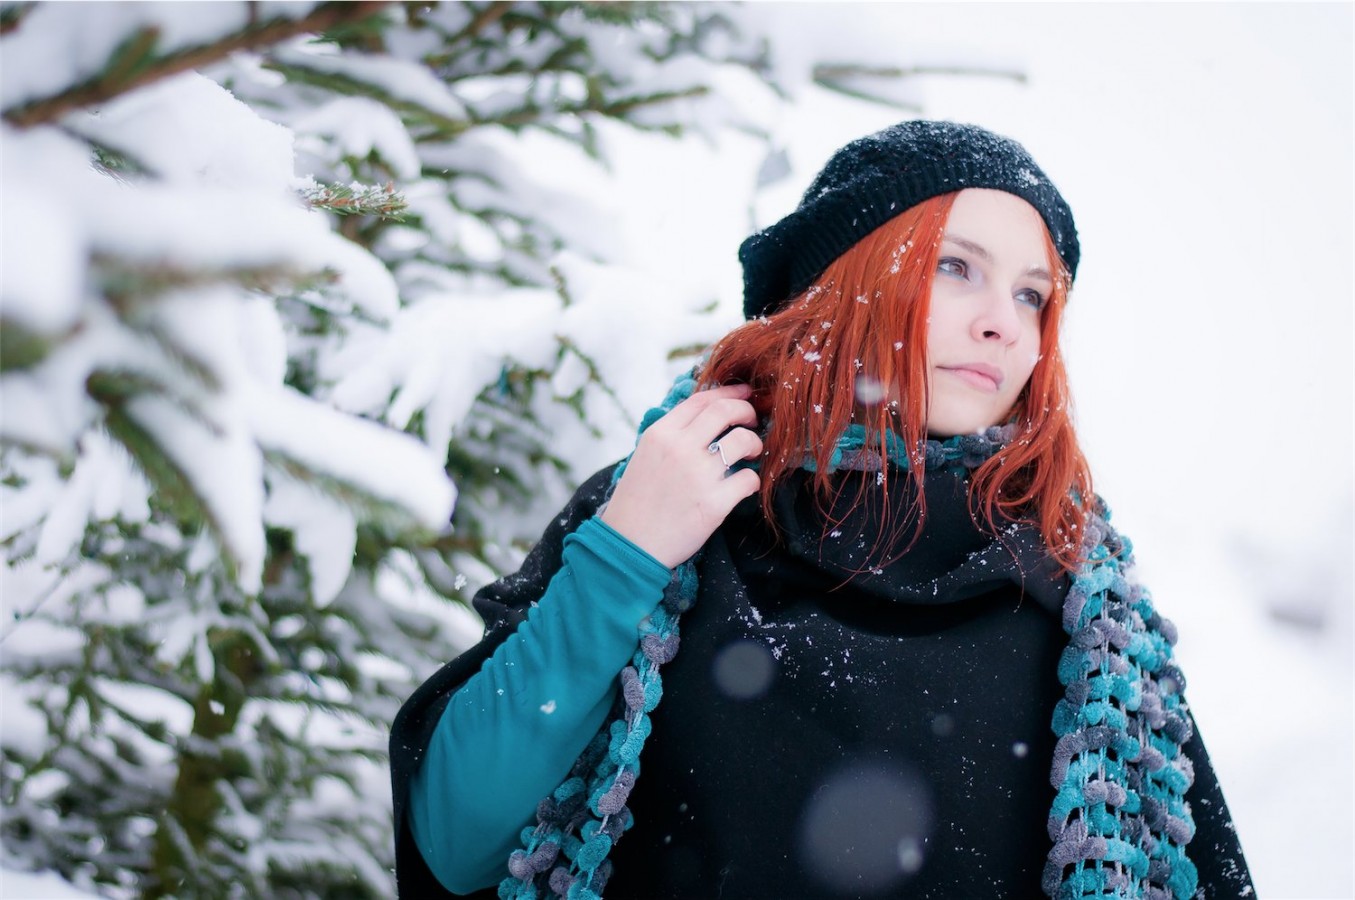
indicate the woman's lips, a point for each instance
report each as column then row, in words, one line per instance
column 980, row 375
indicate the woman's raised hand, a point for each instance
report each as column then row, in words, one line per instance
column 677, row 487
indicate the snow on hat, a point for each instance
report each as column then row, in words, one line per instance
column 873, row 179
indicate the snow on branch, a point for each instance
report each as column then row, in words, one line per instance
column 375, row 467
column 891, row 85
column 135, row 62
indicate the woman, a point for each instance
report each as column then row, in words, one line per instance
column 911, row 663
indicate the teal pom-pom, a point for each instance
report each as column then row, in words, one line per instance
column 594, row 851
column 579, row 891
column 1184, row 877
column 568, row 789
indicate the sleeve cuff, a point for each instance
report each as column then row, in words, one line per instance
column 599, row 554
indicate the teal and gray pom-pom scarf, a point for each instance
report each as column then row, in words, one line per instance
column 1118, row 823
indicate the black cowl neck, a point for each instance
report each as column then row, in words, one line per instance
column 952, row 560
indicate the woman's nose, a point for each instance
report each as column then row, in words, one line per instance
column 996, row 318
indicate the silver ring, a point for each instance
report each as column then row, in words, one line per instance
column 716, row 448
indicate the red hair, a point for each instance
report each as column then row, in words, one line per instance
column 863, row 323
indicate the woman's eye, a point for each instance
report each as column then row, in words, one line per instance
column 952, row 266
column 1031, row 298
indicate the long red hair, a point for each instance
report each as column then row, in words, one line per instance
column 853, row 347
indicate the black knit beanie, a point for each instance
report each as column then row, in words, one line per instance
column 875, row 178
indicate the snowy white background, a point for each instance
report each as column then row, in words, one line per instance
column 1206, row 151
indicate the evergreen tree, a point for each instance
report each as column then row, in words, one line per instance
column 238, row 404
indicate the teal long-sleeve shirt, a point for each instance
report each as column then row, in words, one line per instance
column 510, row 734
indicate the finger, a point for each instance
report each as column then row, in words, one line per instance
column 740, row 484
column 682, row 415
column 720, row 416
column 741, row 443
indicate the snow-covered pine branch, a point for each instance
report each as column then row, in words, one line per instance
column 118, row 49
column 380, row 200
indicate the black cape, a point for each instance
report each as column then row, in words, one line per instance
column 830, row 727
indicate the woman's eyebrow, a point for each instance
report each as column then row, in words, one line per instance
column 982, row 253
column 977, row 249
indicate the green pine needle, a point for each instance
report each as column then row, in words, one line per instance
column 380, row 200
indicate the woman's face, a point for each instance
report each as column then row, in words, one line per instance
column 983, row 331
